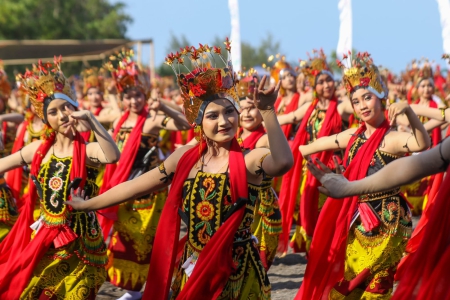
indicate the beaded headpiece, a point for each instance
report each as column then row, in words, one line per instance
column 314, row 66
column 5, row 87
column 93, row 78
column 362, row 73
column 47, row 82
column 203, row 81
column 126, row 73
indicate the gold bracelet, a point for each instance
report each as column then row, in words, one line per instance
column 165, row 121
column 442, row 109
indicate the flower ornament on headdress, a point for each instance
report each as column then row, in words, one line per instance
column 5, row 87
column 126, row 73
column 204, row 81
column 247, row 84
column 47, row 82
column 315, row 66
column 422, row 70
column 279, row 68
column 362, row 73
column 93, row 78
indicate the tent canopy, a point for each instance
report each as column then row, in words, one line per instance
column 19, row 52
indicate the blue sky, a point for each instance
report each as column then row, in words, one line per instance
column 393, row 31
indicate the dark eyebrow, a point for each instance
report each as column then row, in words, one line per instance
column 215, row 111
column 363, row 95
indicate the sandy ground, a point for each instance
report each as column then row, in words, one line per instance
column 286, row 275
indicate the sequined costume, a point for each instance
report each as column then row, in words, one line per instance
column 373, row 256
column 133, row 233
column 206, row 203
column 76, row 270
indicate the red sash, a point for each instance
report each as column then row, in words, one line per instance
column 253, row 138
column 291, row 180
column 18, row 255
column 293, row 105
column 327, row 254
column 214, row 264
column 117, row 173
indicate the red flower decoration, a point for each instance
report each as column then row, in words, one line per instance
column 315, row 72
column 364, row 81
column 59, row 86
column 349, row 88
column 41, row 96
column 197, row 89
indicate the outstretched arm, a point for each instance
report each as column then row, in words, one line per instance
column 397, row 173
column 295, row 116
column 172, row 119
column 332, row 142
column 145, row 184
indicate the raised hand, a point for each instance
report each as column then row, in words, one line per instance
column 265, row 99
column 396, row 109
column 78, row 120
column 78, row 201
column 334, row 184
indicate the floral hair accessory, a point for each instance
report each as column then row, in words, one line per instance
column 201, row 81
column 362, row 73
column 46, row 81
column 314, row 66
column 126, row 73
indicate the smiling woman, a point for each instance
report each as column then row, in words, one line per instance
column 214, row 186
column 47, row 266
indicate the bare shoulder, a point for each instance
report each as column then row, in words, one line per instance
column 263, row 142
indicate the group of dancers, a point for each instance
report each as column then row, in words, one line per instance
column 100, row 172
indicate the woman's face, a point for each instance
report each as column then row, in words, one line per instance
column 94, row 97
column 250, row 116
column 134, row 100
column 287, row 81
column 300, row 82
column 425, row 89
column 58, row 112
column 367, row 106
column 220, row 121
column 325, row 87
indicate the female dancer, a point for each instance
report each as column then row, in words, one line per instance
column 66, row 255
column 136, row 135
column 251, row 134
column 214, row 187
column 320, row 118
column 358, row 242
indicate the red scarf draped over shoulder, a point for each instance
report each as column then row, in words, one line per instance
column 327, row 254
column 291, row 180
column 214, row 265
column 436, row 135
column 429, row 279
column 293, row 105
column 119, row 172
column 87, row 134
column 19, row 255
column 253, row 138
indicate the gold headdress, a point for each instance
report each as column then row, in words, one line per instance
column 5, row 87
column 126, row 73
column 362, row 73
column 47, row 82
column 93, row 78
column 422, row 70
column 315, row 66
column 203, row 83
column 279, row 67
column 247, row 84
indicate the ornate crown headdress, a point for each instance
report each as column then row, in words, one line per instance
column 5, row 87
column 47, row 82
column 93, row 78
column 314, row 66
column 422, row 70
column 126, row 73
column 204, row 81
column 362, row 73
column 247, row 84
column 280, row 67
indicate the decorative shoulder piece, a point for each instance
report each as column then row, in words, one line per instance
column 126, row 73
column 47, row 81
column 314, row 66
column 93, row 78
column 362, row 73
column 201, row 81
column 5, row 87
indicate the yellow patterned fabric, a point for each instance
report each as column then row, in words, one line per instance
column 372, row 256
column 8, row 209
column 75, row 270
column 206, row 203
column 131, row 244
